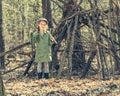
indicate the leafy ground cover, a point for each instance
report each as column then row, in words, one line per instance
column 18, row 85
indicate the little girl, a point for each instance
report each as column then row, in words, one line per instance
column 43, row 42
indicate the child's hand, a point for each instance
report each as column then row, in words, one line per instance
column 52, row 39
column 31, row 31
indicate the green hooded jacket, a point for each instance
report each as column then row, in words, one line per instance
column 42, row 47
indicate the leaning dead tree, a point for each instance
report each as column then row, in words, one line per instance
column 104, row 26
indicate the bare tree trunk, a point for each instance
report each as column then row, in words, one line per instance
column 2, row 90
column 46, row 8
column 1, row 38
column 71, row 46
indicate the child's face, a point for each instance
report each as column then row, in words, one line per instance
column 42, row 25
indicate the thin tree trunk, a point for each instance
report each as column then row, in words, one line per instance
column 64, row 54
column 1, row 38
column 71, row 46
column 46, row 9
column 2, row 90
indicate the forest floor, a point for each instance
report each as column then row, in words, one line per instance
column 18, row 85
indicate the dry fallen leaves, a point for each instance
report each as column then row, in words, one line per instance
column 17, row 85
column 30, row 86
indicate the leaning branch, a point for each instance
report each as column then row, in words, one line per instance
column 14, row 49
column 25, row 63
